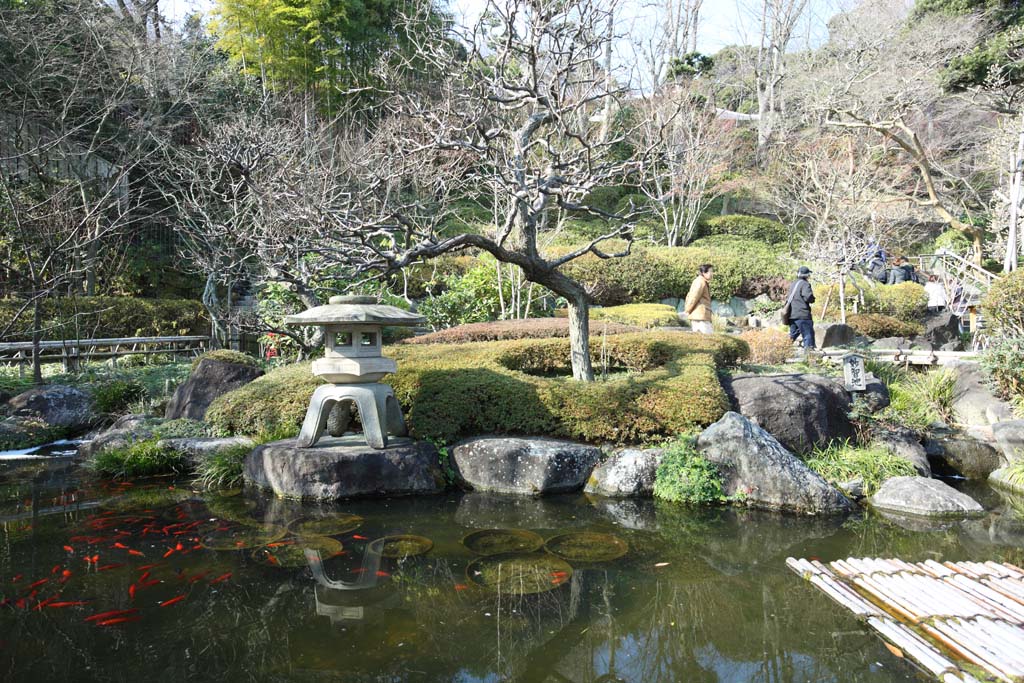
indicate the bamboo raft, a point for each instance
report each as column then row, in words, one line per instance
column 957, row 620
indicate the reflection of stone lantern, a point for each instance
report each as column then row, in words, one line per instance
column 353, row 365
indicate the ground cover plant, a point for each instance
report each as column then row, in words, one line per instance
column 918, row 400
column 640, row 315
column 138, row 459
column 844, row 462
column 684, row 476
column 659, row 384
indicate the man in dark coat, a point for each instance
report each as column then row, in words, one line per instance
column 801, row 296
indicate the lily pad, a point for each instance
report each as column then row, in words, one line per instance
column 242, row 537
column 290, row 553
column 498, row 541
column 404, row 545
column 587, row 546
column 519, row 573
column 327, row 526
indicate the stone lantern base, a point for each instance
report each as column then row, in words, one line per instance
column 378, row 411
column 345, row 467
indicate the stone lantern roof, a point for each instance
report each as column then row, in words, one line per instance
column 355, row 310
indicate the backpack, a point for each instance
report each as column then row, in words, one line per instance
column 787, row 310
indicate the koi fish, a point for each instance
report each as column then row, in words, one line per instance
column 168, row 553
column 359, row 571
column 278, row 544
column 131, row 591
column 43, row 603
column 179, row 547
column 559, row 574
column 148, row 566
column 20, row 604
column 120, row 546
column 112, row 613
column 65, row 575
column 222, row 577
column 379, row 573
column 69, row 549
column 172, row 601
column 16, row 578
column 113, row 565
column 198, row 577
column 117, row 620
column 338, row 554
column 360, row 538
column 147, row 584
column 272, row 560
column 197, row 546
column 144, row 576
column 68, row 603
column 461, row 586
column 56, row 568
column 37, row 584
column 136, row 553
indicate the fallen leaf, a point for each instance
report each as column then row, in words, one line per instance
column 895, row 650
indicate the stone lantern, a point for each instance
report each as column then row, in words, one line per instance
column 353, row 366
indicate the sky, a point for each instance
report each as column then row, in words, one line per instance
column 723, row 22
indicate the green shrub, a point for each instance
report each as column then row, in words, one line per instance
column 226, row 356
column 751, row 227
column 640, row 315
column 650, row 274
column 181, row 428
column 455, row 390
column 529, row 328
column 906, row 301
column 470, row 298
column 139, row 459
column 607, row 197
column 101, row 317
column 878, row 326
column 920, row 399
column 115, row 396
column 1003, row 360
column 840, row 463
column 686, row 477
column 223, row 468
column 954, row 241
column 1003, row 306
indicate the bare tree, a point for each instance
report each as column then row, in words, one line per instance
column 691, row 147
column 673, row 34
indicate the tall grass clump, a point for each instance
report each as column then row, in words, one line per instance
column 843, row 462
column 222, row 469
column 139, row 459
column 917, row 399
column 684, row 476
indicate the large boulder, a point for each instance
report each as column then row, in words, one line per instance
column 125, row 430
column 941, row 328
column 923, row 497
column 756, row 468
column 968, row 455
column 524, row 465
column 628, row 473
column 800, row 410
column 210, row 379
column 345, row 467
column 974, row 404
column 55, row 405
column 1009, row 436
column 904, row 444
column 1007, row 479
column 875, row 396
column 833, row 334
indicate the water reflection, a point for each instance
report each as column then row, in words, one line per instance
column 700, row 595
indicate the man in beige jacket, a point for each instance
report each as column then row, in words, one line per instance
column 698, row 301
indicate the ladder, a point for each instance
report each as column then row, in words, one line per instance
column 965, row 283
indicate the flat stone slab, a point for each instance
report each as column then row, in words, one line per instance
column 628, row 473
column 524, row 465
column 345, row 467
column 922, row 497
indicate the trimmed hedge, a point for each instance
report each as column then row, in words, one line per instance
column 456, row 390
column 641, row 315
column 768, row 346
column 878, row 326
column 654, row 273
column 906, row 301
column 750, row 227
column 99, row 317
column 529, row 328
column 1003, row 306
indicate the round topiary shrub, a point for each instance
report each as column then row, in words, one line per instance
column 878, row 326
column 768, row 346
column 751, row 227
column 1003, row 306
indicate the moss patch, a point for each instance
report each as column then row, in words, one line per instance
column 226, row 356
column 669, row 385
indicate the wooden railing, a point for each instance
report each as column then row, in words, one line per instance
column 72, row 352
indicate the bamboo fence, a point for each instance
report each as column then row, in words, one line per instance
column 956, row 620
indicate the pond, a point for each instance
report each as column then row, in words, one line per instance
column 107, row 581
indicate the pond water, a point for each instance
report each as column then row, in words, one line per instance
column 101, row 581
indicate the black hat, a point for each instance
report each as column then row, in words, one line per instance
column 804, row 270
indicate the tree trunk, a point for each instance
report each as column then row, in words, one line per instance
column 579, row 338
column 37, row 323
column 842, row 298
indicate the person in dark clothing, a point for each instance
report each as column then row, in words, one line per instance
column 801, row 296
column 901, row 272
column 877, row 268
